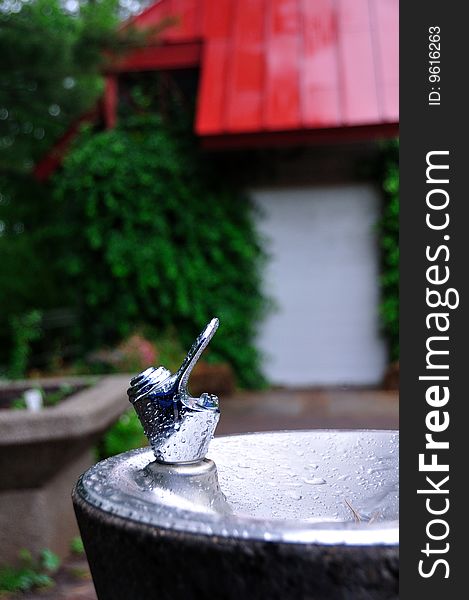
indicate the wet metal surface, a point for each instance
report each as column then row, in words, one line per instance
column 178, row 426
column 329, row 487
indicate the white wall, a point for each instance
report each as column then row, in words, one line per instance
column 323, row 275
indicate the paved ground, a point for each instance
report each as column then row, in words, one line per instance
column 309, row 409
column 265, row 411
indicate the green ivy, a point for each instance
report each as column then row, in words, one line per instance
column 25, row 330
column 155, row 236
column 389, row 241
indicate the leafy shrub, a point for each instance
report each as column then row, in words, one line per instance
column 31, row 573
column 29, row 279
column 38, row 102
column 76, row 546
column 124, row 435
column 25, row 330
column 37, row 105
column 389, row 241
column 156, row 237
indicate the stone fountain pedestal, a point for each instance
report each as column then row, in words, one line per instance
column 310, row 515
column 138, row 561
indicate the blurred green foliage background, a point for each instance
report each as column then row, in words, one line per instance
column 153, row 237
column 137, row 233
column 388, row 175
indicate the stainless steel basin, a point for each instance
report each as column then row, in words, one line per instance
column 327, row 487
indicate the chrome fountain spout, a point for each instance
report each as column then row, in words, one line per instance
column 178, row 426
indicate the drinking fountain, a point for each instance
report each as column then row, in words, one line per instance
column 281, row 515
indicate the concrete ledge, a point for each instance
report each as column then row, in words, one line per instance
column 80, row 414
column 42, row 455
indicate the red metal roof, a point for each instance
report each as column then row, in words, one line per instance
column 287, row 65
column 272, row 71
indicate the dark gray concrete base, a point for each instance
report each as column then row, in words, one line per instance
column 133, row 561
